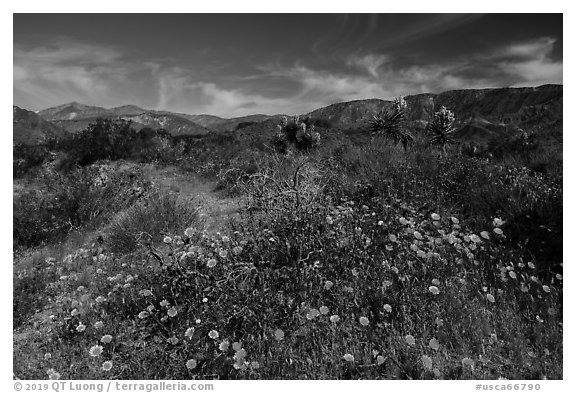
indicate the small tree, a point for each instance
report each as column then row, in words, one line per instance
column 389, row 123
column 441, row 129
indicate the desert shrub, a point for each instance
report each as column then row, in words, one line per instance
column 342, row 290
column 59, row 203
column 245, row 124
column 149, row 218
column 26, row 157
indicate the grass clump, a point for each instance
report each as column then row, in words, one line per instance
column 158, row 213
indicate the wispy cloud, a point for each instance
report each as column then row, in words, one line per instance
column 370, row 62
column 65, row 70
column 531, row 62
column 71, row 71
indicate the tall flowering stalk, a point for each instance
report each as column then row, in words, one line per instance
column 389, row 123
column 441, row 129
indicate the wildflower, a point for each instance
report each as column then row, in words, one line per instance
column 380, row 360
column 512, row 274
column 434, row 344
column 106, row 339
column 255, row 365
column 225, row 239
column 387, row 308
column 313, row 313
column 74, row 312
column 324, row 310
column 191, row 364
column 100, row 299
column 392, row 237
column 223, row 254
column 434, row 290
column 531, row 265
column 204, row 300
column 173, row 340
column 364, row 321
column 546, row 288
column 237, row 346
column 96, row 350
column 99, row 324
column 468, row 362
column 47, row 356
column 410, row 340
column 150, row 308
column 211, row 262
column 279, row 334
column 53, row 374
column 143, row 314
column 485, row 235
column 455, row 220
column 386, row 284
column 164, row 303
column 475, row 238
column 552, row 311
column 436, row 282
column 354, row 272
column 435, row 216
column 417, row 235
column 490, row 298
column 107, row 365
column 420, row 254
column 213, row 334
column 498, row 222
column 334, row 319
column 329, row 220
column 81, row 327
column 189, row 332
column 189, row 232
column 224, row 345
column 198, row 320
column 403, row 221
column 99, row 271
column 426, row 362
column 328, row 285
column 237, row 250
column 167, row 240
column 348, row 357
column 380, row 223
column 172, row 312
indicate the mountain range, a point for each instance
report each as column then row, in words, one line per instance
column 481, row 114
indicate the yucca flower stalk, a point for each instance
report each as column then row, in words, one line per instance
column 388, row 123
column 441, row 129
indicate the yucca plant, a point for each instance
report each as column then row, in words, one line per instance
column 296, row 132
column 441, row 129
column 388, row 124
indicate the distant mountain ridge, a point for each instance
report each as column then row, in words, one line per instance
column 481, row 114
column 29, row 128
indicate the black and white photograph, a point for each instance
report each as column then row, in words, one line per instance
column 287, row 196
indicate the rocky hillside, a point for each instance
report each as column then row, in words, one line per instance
column 75, row 117
column 29, row 128
column 481, row 114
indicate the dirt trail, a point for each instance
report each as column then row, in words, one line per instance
column 215, row 205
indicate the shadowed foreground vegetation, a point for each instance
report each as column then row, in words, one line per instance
column 352, row 259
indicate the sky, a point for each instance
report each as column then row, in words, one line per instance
column 238, row 64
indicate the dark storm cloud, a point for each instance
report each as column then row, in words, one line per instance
column 283, row 63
